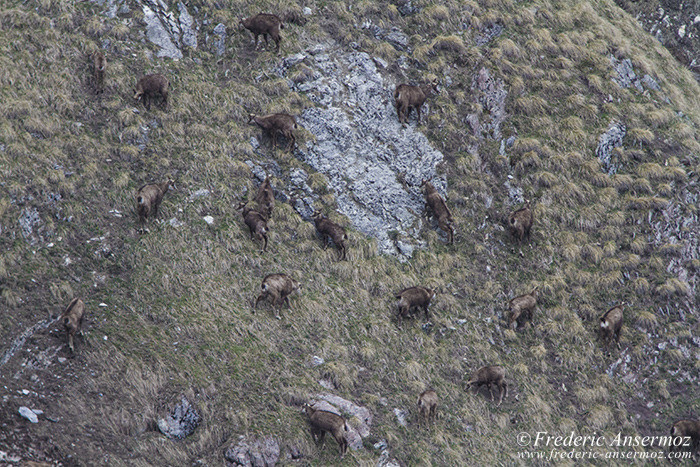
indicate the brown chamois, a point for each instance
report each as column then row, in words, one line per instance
column 256, row 222
column 99, row 63
column 148, row 199
column 322, row 421
column 520, row 222
column 521, row 307
column 439, row 209
column 276, row 123
column 489, row 376
column 265, row 198
column 611, row 325
column 689, row 431
column 149, row 87
column 328, row 228
column 279, row 287
column 427, row 404
column 413, row 297
column 265, row 24
column 73, row 320
column 409, row 97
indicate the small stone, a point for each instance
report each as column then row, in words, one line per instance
column 681, row 32
column 307, row 11
column 401, row 416
column 38, row 411
column 174, row 222
column 316, row 361
column 181, row 422
column 62, row 359
column 28, row 414
column 103, row 305
column 25, row 391
column 208, row 219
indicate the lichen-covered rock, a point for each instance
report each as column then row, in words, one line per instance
column 181, row 421
column 608, row 141
column 220, row 32
column 159, row 35
column 31, row 225
column 255, row 452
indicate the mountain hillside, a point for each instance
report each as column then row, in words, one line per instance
column 573, row 106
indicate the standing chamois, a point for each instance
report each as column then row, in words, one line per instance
column 427, row 404
column 279, row 287
column 611, row 325
column 329, row 229
column 265, row 198
column 521, row 307
column 276, row 123
column 151, row 86
column 266, row 25
column 407, row 97
column 256, row 222
column 99, row 64
column 520, row 222
column 689, row 432
column 148, row 199
column 439, row 209
column 322, row 421
column 413, row 297
column 73, row 320
column 489, row 376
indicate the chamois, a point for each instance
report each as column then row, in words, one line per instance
column 689, row 430
column 328, row 228
column 611, row 324
column 265, row 24
column 440, row 210
column 521, row 307
column 279, row 287
column 99, row 63
column 490, row 375
column 149, row 86
column 276, row 123
column 427, row 404
column 148, row 199
column 520, row 222
column 323, row 421
column 73, row 320
column 256, row 222
column 265, row 198
column 413, row 297
column 409, row 97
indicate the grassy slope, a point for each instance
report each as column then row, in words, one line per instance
column 178, row 317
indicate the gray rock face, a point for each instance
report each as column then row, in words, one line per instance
column 156, row 33
column 626, row 76
column 181, row 422
column 255, row 452
column 189, row 36
column 373, row 165
column 362, row 417
column 30, row 224
column 609, row 141
column 220, row 32
column 27, row 413
column 491, row 94
column 168, row 31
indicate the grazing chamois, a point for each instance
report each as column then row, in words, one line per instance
column 489, row 376
column 520, row 222
column 151, row 86
column 322, row 421
column 73, row 320
column 611, row 325
column 266, row 25
column 427, row 404
column 413, row 297
column 689, row 431
column 148, row 199
column 439, row 209
column 279, row 287
column 329, row 229
column 521, row 307
column 99, row 63
column 407, row 97
column 256, row 222
column 265, row 198
column 276, row 123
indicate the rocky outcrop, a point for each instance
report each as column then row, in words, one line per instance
column 254, row 452
column 181, row 421
column 166, row 29
column 372, row 164
column 608, row 141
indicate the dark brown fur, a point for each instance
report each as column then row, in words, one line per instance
column 522, row 307
column 266, row 25
column 407, row 97
column 73, row 320
column 414, row 297
column 277, row 123
column 689, row 430
column 151, row 86
column 427, row 404
column 279, row 287
column 148, row 199
column 256, row 222
column 489, row 376
column 99, row 63
column 265, row 198
column 611, row 325
column 323, row 421
column 439, row 209
column 329, row 229
column 520, row 222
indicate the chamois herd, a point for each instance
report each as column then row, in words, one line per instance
column 278, row 287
